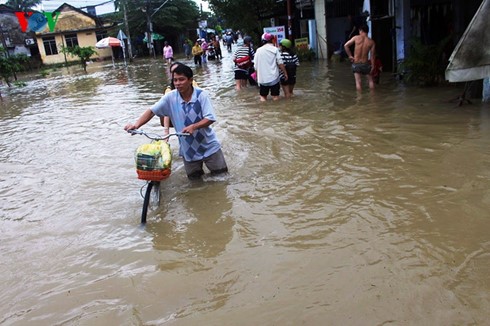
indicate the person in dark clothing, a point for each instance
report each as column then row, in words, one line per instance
column 229, row 41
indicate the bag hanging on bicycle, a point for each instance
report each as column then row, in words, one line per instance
column 154, row 161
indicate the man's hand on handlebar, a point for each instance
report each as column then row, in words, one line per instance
column 130, row 126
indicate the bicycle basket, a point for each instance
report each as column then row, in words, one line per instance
column 153, row 161
column 155, row 175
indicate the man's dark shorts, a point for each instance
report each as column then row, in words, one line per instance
column 215, row 163
column 275, row 89
column 361, row 68
column 241, row 74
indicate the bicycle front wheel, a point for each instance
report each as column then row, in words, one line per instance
column 152, row 198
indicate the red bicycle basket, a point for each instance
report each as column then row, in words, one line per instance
column 153, row 175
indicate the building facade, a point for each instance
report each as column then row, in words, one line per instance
column 73, row 27
column 42, row 36
column 393, row 23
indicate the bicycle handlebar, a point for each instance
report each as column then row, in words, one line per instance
column 156, row 136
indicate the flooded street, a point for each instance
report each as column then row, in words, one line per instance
column 340, row 208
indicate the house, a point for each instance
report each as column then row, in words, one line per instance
column 327, row 24
column 69, row 27
column 12, row 38
column 393, row 23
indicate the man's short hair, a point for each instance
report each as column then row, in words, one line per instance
column 183, row 70
column 364, row 27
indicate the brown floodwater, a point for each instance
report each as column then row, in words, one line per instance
column 340, row 208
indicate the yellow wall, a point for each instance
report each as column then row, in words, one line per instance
column 84, row 39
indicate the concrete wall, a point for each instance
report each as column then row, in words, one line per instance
column 402, row 19
column 321, row 27
column 14, row 39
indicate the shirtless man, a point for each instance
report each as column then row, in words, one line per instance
column 361, row 63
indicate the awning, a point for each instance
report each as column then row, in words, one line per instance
column 470, row 59
column 154, row 37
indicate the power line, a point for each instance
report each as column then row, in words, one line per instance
column 46, row 3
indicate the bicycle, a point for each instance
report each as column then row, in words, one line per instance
column 149, row 168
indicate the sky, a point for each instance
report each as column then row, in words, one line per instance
column 50, row 5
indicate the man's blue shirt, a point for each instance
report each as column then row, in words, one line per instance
column 203, row 143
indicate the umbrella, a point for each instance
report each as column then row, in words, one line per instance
column 109, row 42
column 154, row 37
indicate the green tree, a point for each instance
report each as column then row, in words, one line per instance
column 425, row 64
column 10, row 65
column 83, row 53
column 173, row 19
column 23, row 5
column 245, row 15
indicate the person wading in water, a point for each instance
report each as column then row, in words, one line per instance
column 364, row 47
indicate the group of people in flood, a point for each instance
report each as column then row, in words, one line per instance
column 269, row 68
column 203, row 50
column 273, row 66
column 189, row 109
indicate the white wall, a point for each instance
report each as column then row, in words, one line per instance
column 402, row 18
column 321, row 29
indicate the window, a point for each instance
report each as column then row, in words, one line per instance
column 100, row 35
column 7, row 39
column 50, row 45
column 71, row 40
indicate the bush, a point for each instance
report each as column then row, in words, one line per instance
column 425, row 64
column 83, row 53
column 19, row 83
column 10, row 65
column 44, row 73
column 305, row 53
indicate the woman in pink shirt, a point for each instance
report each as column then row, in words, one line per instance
column 168, row 53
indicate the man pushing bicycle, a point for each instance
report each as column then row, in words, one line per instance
column 191, row 111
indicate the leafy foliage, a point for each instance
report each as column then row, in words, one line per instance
column 425, row 64
column 244, row 15
column 305, row 53
column 175, row 17
column 171, row 20
column 10, row 65
column 23, row 5
column 20, row 83
column 83, row 53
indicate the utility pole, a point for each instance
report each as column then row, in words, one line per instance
column 149, row 25
column 130, row 50
column 290, row 19
column 149, row 29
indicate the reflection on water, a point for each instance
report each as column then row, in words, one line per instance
column 340, row 207
column 202, row 222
